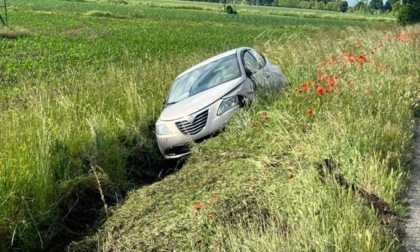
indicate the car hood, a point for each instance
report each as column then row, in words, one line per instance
column 197, row 102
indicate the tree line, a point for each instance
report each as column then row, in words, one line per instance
column 362, row 6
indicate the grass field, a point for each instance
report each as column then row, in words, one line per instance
column 305, row 170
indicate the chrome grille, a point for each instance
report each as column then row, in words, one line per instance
column 192, row 128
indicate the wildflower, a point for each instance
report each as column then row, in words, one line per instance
column 305, row 86
column 265, row 116
column 198, row 206
column 212, row 217
column 309, row 112
column 350, row 57
column 291, row 175
column 332, row 82
column 200, row 240
column 320, row 91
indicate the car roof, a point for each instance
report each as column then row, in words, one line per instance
column 214, row 58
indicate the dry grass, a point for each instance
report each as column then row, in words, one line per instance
column 13, row 32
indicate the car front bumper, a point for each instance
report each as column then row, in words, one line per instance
column 179, row 144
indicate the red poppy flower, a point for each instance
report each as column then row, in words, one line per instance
column 265, row 116
column 332, row 83
column 198, row 206
column 212, row 217
column 200, row 240
column 320, row 91
column 305, row 84
column 350, row 57
column 309, row 112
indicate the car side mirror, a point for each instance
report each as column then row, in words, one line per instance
column 248, row 73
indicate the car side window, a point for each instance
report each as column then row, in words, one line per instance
column 250, row 62
column 259, row 58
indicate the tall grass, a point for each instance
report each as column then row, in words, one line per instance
column 94, row 120
column 307, row 170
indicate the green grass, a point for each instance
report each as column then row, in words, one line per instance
column 279, row 179
column 78, row 96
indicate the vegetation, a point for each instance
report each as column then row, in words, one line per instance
column 372, row 7
column 409, row 13
column 319, row 167
column 79, row 92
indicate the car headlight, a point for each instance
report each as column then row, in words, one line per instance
column 227, row 104
column 162, row 129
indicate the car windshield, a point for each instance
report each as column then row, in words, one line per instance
column 203, row 78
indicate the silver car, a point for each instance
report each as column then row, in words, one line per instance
column 203, row 98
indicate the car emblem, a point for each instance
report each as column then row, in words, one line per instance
column 191, row 119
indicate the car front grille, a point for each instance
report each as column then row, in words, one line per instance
column 194, row 127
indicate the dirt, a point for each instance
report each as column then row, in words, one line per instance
column 86, row 206
column 329, row 169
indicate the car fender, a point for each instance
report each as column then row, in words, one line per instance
column 247, row 90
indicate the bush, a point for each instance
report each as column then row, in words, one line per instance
column 409, row 13
column 230, row 10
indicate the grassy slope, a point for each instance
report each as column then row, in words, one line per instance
column 282, row 178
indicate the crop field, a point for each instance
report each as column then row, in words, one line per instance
column 322, row 166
